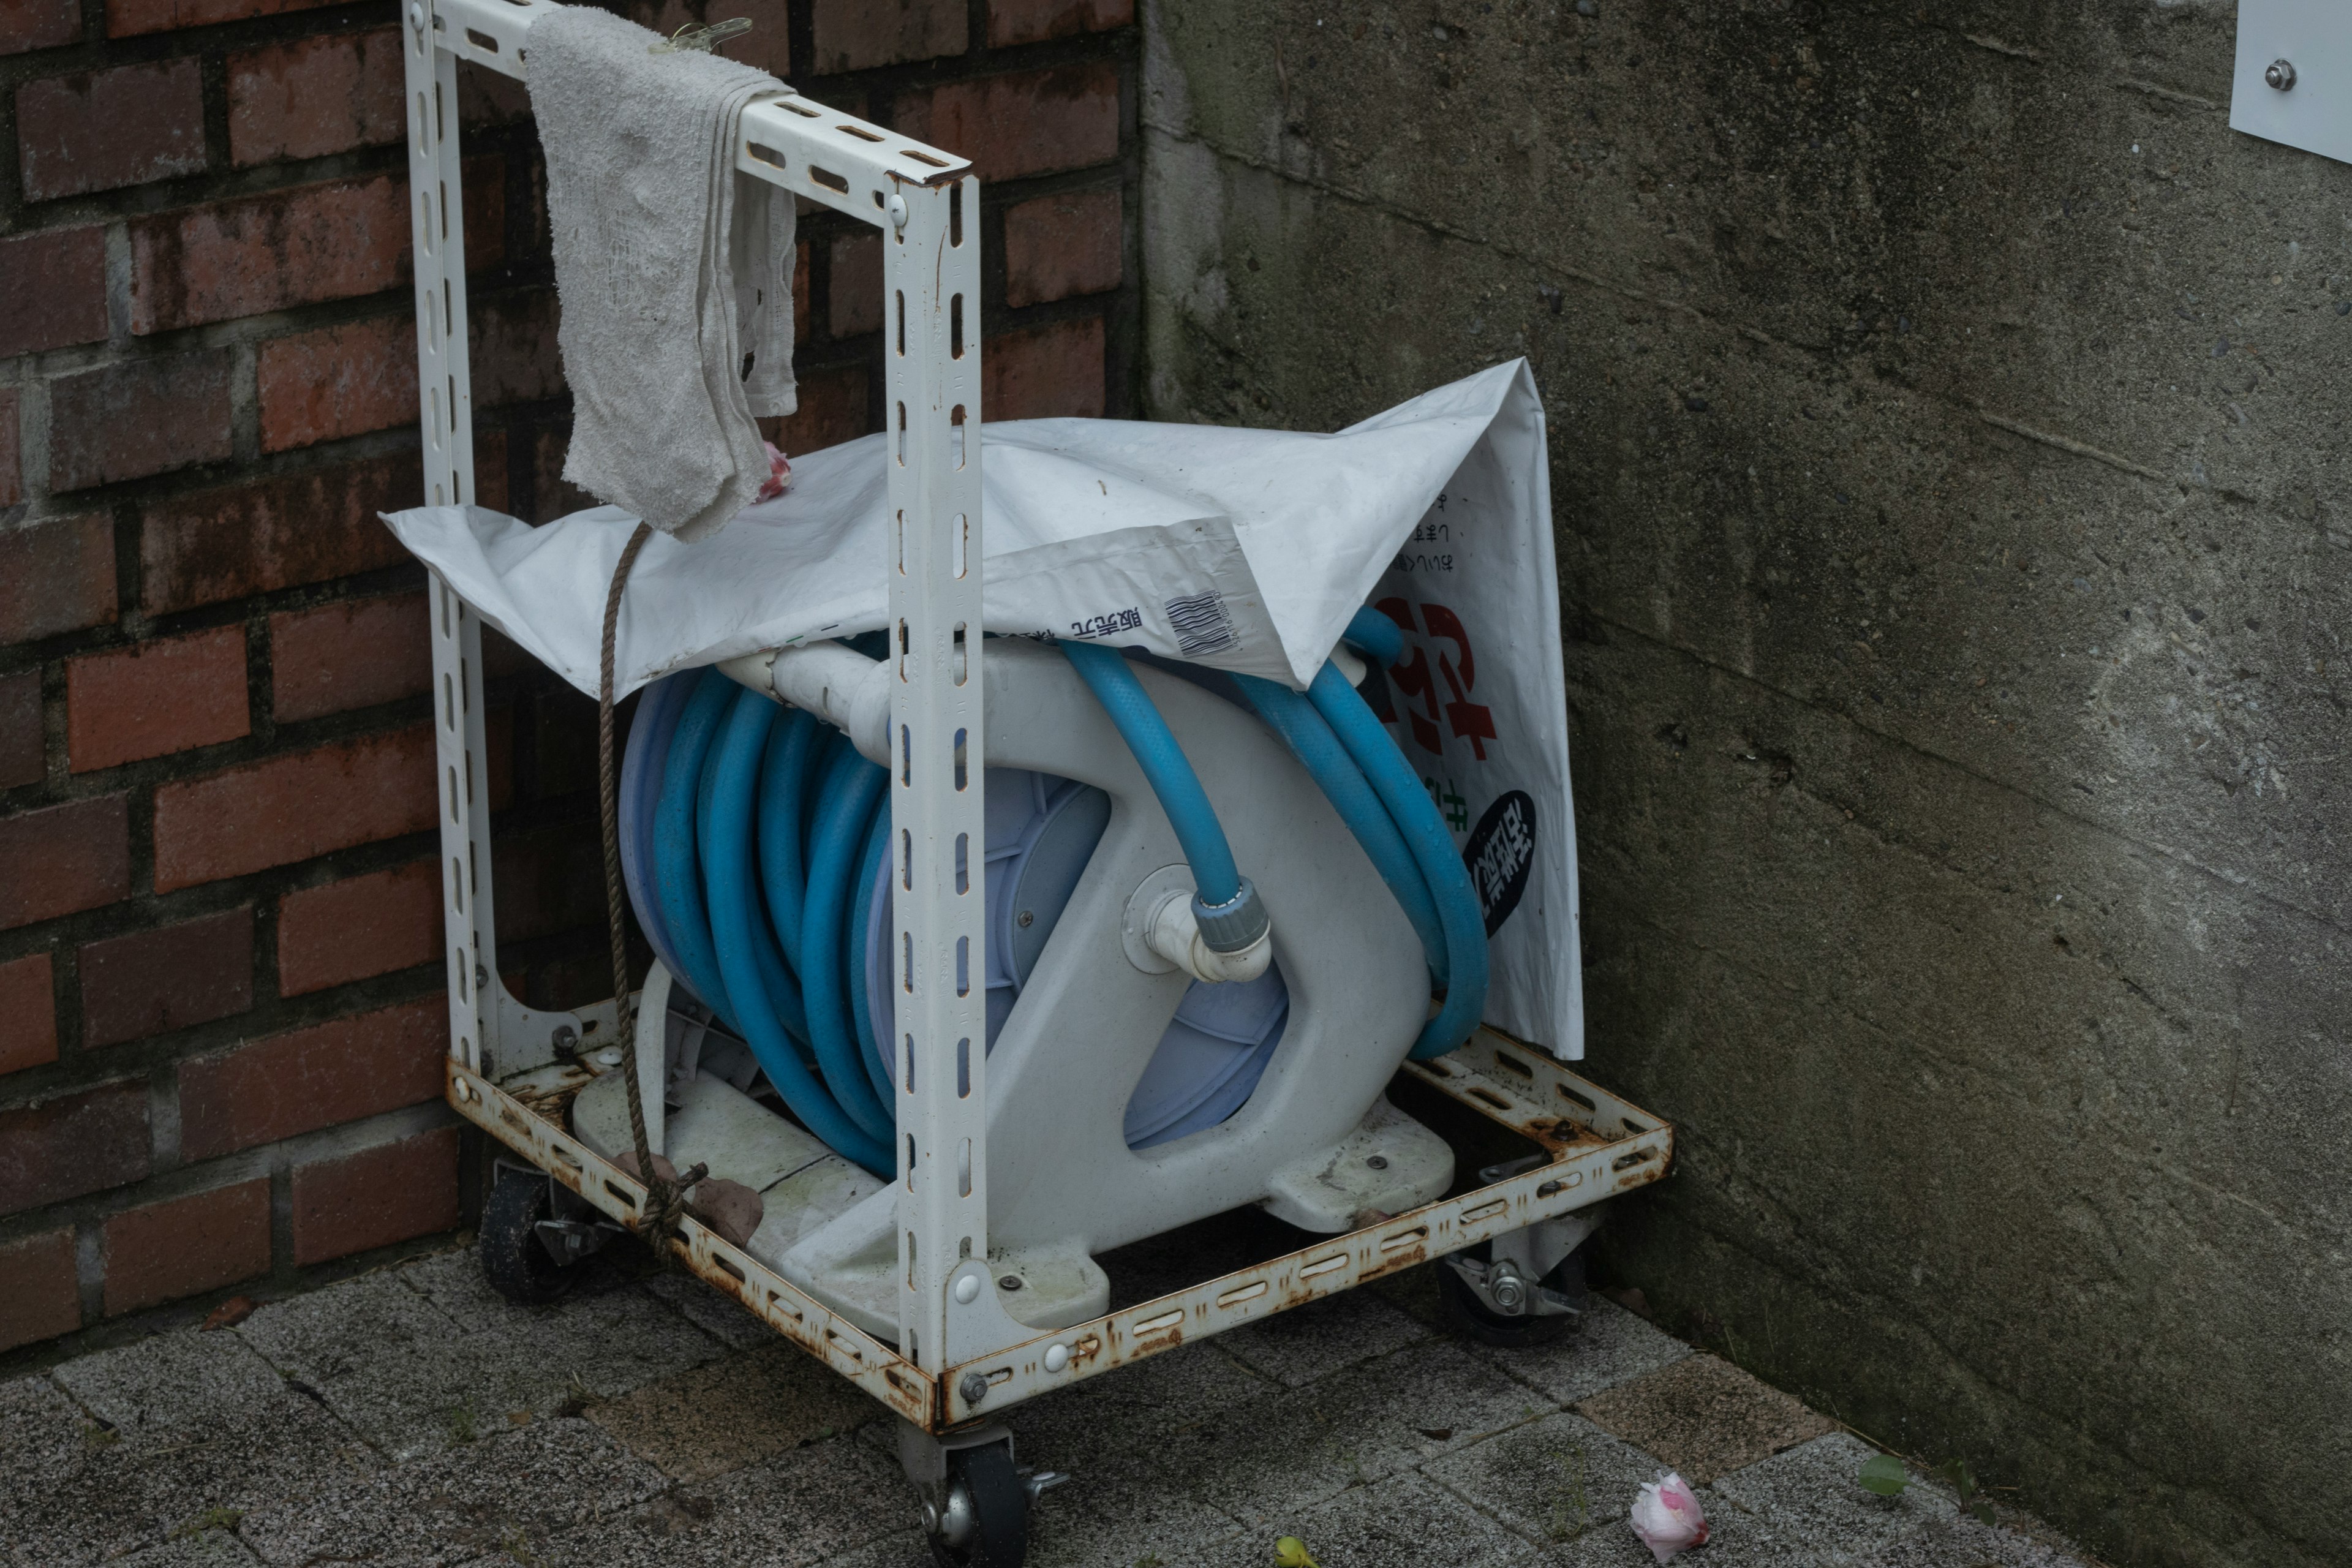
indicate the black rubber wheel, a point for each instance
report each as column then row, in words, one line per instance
column 514, row 1260
column 1000, row 1536
column 1474, row 1319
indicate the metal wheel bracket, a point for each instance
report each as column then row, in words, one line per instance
column 1509, row 1279
column 924, row 1456
column 949, row 1513
column 569, row 1240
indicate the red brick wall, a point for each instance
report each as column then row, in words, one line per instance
column 219, row 981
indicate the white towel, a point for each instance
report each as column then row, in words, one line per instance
column 673, row 271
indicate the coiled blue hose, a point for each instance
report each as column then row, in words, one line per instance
column 779, row 955
column 744, row 942
column 1360, row 769
column 754, row 889
column 678, row 883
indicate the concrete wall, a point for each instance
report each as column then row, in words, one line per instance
column 1948, row 418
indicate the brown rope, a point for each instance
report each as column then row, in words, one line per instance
column 665, row 1200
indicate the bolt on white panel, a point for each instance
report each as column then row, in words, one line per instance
column 2294, row 76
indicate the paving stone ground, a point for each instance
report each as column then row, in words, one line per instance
column 410, row 1416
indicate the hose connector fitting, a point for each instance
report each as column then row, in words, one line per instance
column 1234, row 925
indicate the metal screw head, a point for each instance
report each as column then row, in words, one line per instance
column 1377, row 1162
column 974, row 1387
column 566, row 1039
column 1511, row 1293
column 2281, row 75
column 1025, row 918
column 1010, row 1282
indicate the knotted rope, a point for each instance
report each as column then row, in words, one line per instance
column 665, row 1199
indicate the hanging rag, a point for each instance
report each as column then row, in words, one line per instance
column 673, row 271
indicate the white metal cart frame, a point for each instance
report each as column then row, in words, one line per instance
column 953, row 1358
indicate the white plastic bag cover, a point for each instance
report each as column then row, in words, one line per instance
column 1240, row 550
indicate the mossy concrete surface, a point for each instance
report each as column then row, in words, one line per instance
column 1949, row 464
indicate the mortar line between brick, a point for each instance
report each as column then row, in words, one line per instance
column 2235, row 883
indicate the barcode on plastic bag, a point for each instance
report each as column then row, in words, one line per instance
column 1200, row 623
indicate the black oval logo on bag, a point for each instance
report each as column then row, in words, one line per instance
column 1500, row 854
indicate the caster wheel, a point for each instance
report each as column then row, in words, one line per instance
column 516, row 1264
column 1474, row 1319
column 986, row 1522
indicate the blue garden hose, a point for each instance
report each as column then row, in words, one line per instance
column 1428, row 879
column 770, row 834
column 1310, row 739
column 1225, row 906
column 677, row 875
column 845, row 806
column 1202, row 837
column 1376, row 636
column 745, row 943
column 1448, row 880
column 875, row 1051
column 752, row 866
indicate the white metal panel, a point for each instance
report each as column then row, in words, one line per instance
column 2313, row 38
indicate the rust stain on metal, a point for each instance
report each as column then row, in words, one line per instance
column 1389, row 1264
column 871, row 1365
column 1579, row 1165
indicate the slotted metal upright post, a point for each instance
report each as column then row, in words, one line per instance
column 931, row 277
column 928, row 208
column 444, row 408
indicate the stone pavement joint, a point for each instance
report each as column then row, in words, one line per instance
column 411, row 1419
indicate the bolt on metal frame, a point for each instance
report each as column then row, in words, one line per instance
column 925, row 202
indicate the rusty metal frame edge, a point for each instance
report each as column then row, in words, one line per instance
column 773, row 1299
column 1640, row 1151
column 1508, row 1083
